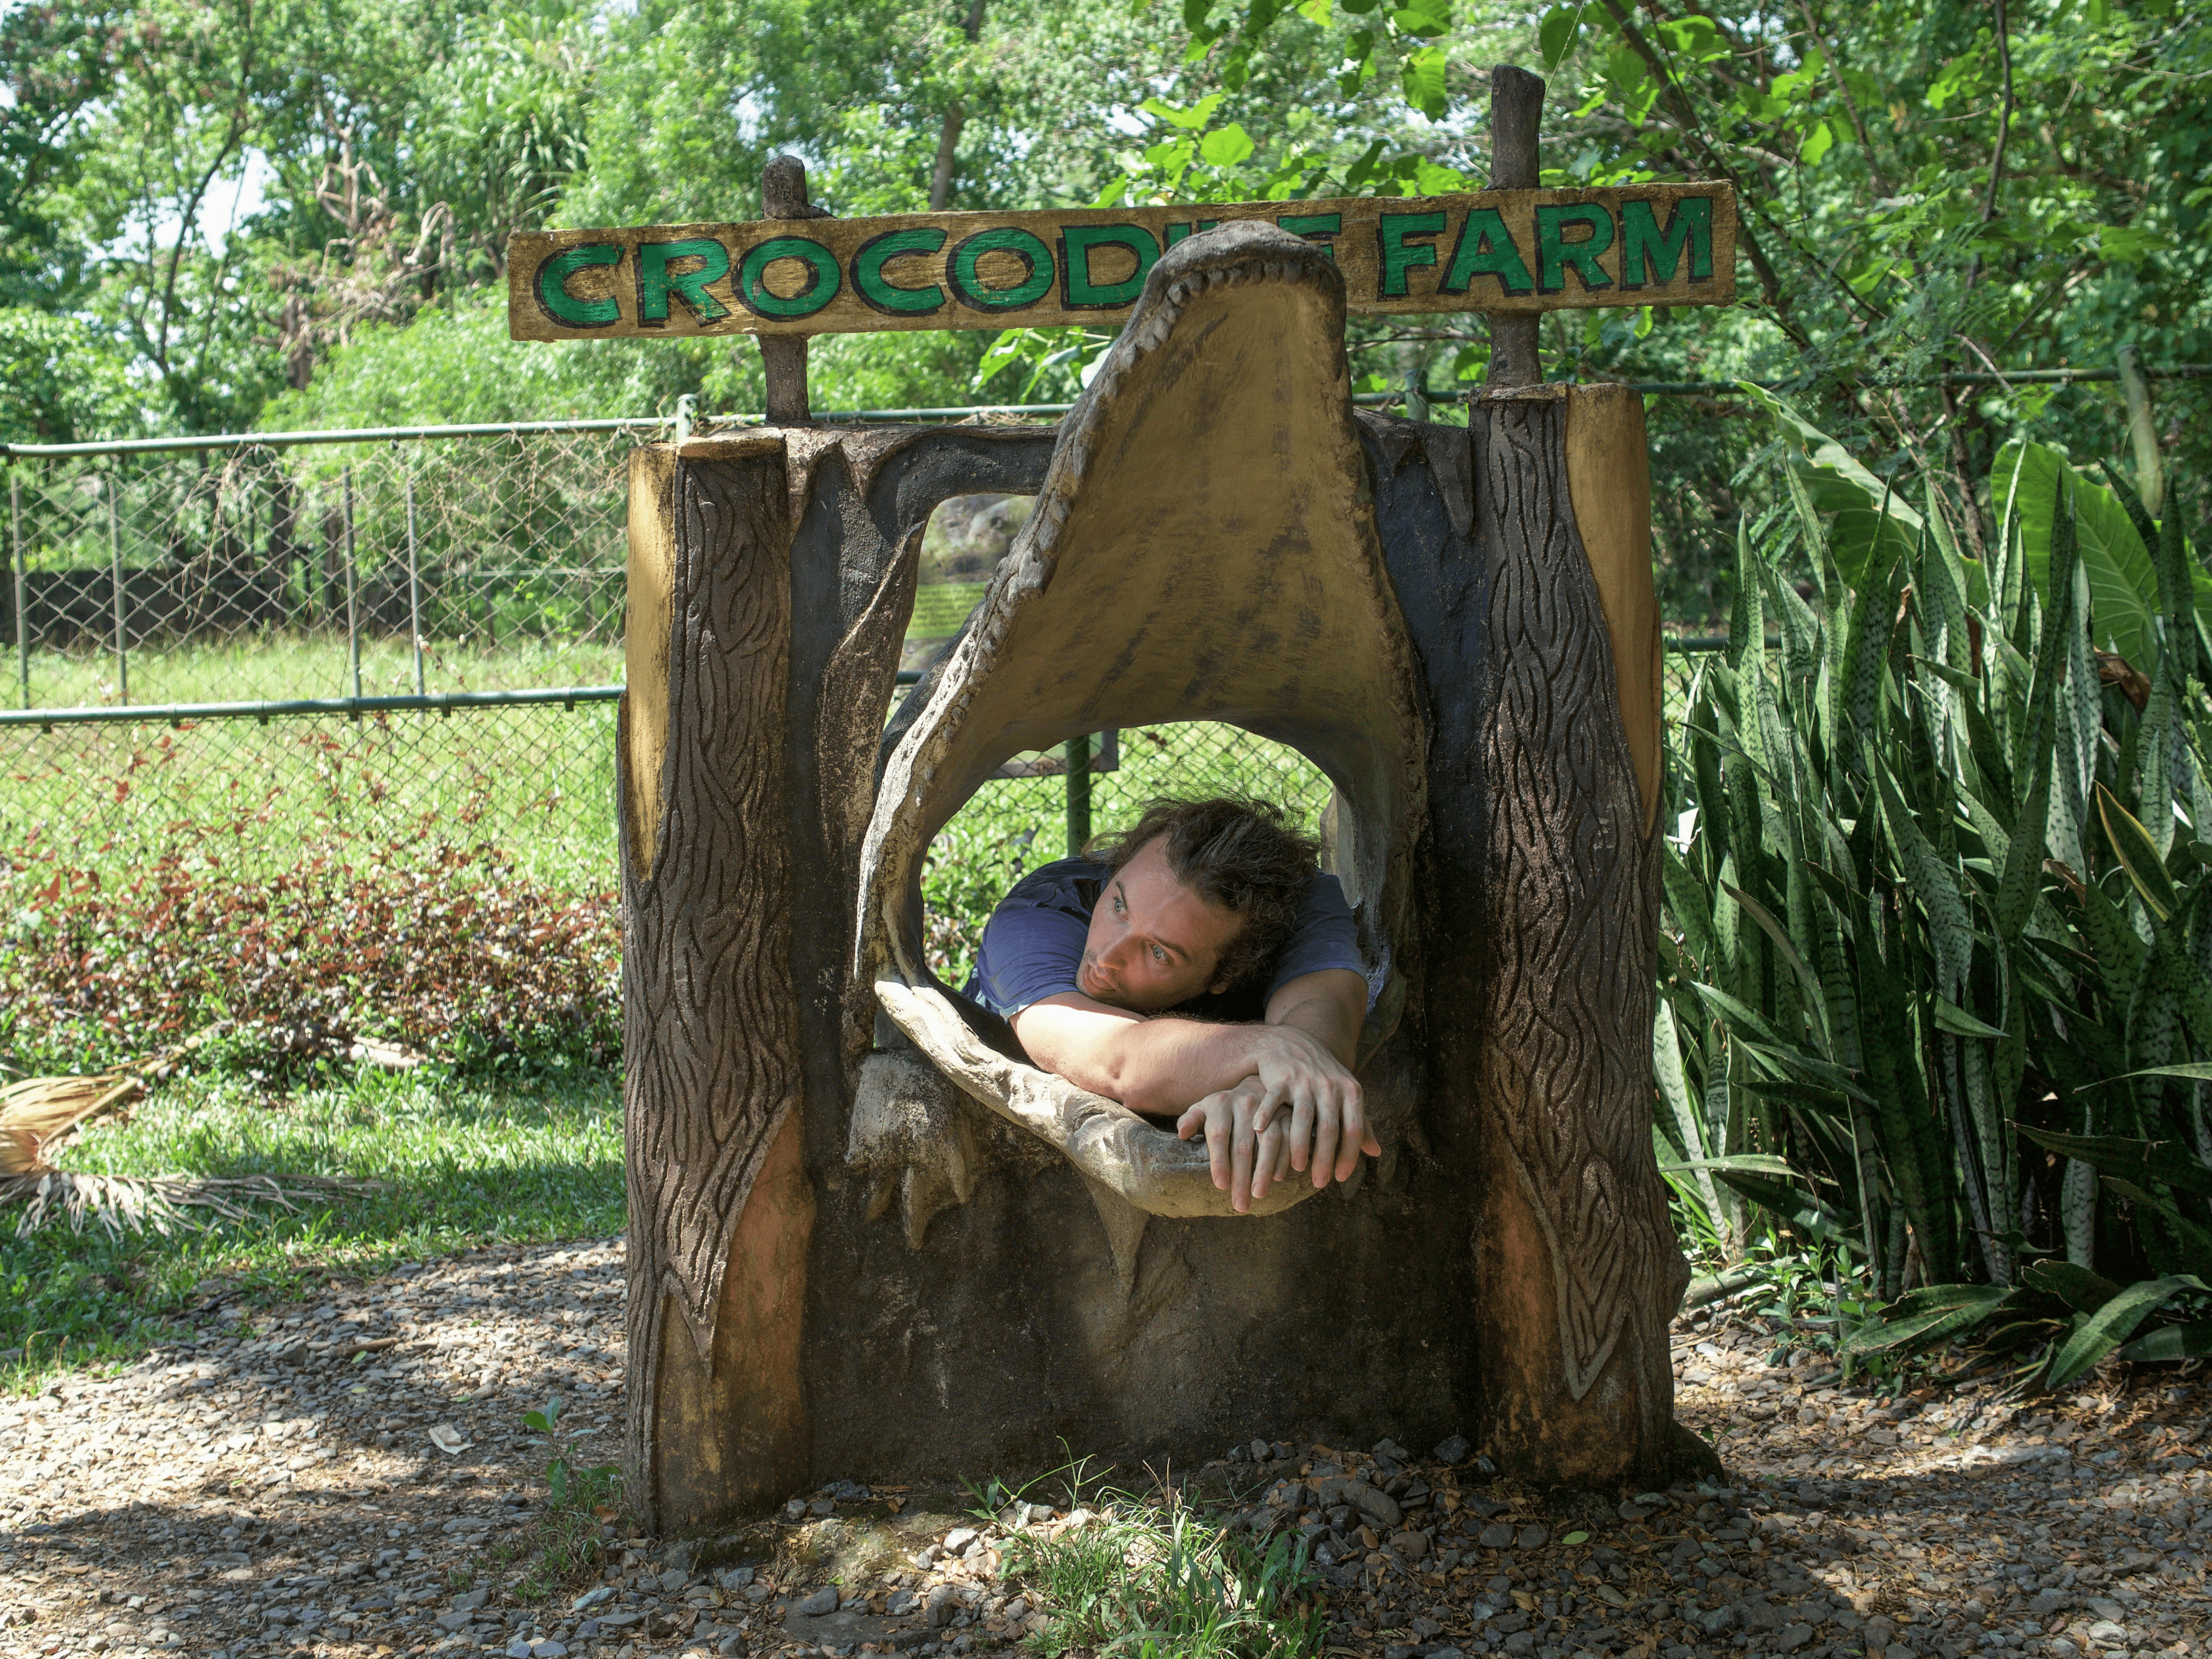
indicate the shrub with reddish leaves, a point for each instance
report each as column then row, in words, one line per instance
column 445, row 949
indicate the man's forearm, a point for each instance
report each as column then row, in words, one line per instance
column 1325, row 1012
column 1160, row 1065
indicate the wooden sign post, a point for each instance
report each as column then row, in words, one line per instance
column 866, row 1238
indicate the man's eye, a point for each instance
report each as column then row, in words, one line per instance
column 1159, row 954
column 1118, row 906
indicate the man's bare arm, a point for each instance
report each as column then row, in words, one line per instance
column 1305, row 1113
column 1160, row 1065
column 1329, row 1007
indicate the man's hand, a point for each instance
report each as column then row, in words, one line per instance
column 1299, row 1109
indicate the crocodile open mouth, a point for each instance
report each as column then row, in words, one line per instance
column 1203, row 548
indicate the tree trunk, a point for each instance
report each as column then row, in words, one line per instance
column 717, row 1425
column 1577, row 1260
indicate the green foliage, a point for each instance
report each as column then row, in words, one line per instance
column 457, row 1163
column 61, row 380
column 1158, row 1580
column 1934, row 989
column 578, row 1502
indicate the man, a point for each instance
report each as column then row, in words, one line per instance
column 1200, row 967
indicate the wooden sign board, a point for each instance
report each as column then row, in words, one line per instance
column 1495, row 250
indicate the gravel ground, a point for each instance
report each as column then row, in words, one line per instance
column 348, row 1480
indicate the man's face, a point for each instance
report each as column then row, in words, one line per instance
column 1153, row 942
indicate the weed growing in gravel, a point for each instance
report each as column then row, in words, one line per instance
column 1160, row 1580
column 462, row 1163
column 580, row 1503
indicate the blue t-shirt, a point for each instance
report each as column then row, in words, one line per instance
column 1033, row 944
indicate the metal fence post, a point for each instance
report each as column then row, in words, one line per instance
column 115, row 585
column 414, row 579
column 1078, row 795
column 20, row 562
column 353, row 607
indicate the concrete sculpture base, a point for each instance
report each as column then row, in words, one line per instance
column 869, row 1240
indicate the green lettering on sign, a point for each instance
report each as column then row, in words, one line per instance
column 1399, row 257
column 655, row 282
column 1177, row 233
column 1554, row 252
column 1317, row 228
column 564, row 307
column 1486, row 249
column 1649, row 256
column 1076, row 243
column 968, row 282
column 820, row 290
column 877, row 290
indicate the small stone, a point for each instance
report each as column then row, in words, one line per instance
column 1533, row 1538
column 1791, row 1637
column 673, row 1580
column 944, row 1603
column 2047, row 1603
column 1496, row 1536
column 1632, row 1512
column 1444, row 1653
column 960, row 1539
column 1257, row 1451
column 1520, row 1642
column 2106, row 1634
column 795, row 1509
column 592, row 1598
column 902, row 1603
column 823, row 1601
column 1379, row 1505
column 736, row 1578
column 469, row 1601
column 1714, row 1620
column 2059, row 1648
column 453, row 1621
column 549, row 1648
column 519, row 1648
column 1453, row 1450
column 1388, row 1447
column 1411, row 1544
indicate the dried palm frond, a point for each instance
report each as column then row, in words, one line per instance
column 37, row 1112
column 121, row 1204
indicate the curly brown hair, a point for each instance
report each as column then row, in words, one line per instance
column 1244, row 855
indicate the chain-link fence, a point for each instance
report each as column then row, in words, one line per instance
column 238, row 649
column 237, row 654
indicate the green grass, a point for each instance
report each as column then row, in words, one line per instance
column 538, row 782
column 1157, row 1579
column 939, row 607
column 463, row 1165
column 271, row 663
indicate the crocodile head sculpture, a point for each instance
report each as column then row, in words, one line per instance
column 1204, row 548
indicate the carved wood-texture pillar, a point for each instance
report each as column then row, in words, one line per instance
column 1579, row 1270
column 720, row 1213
